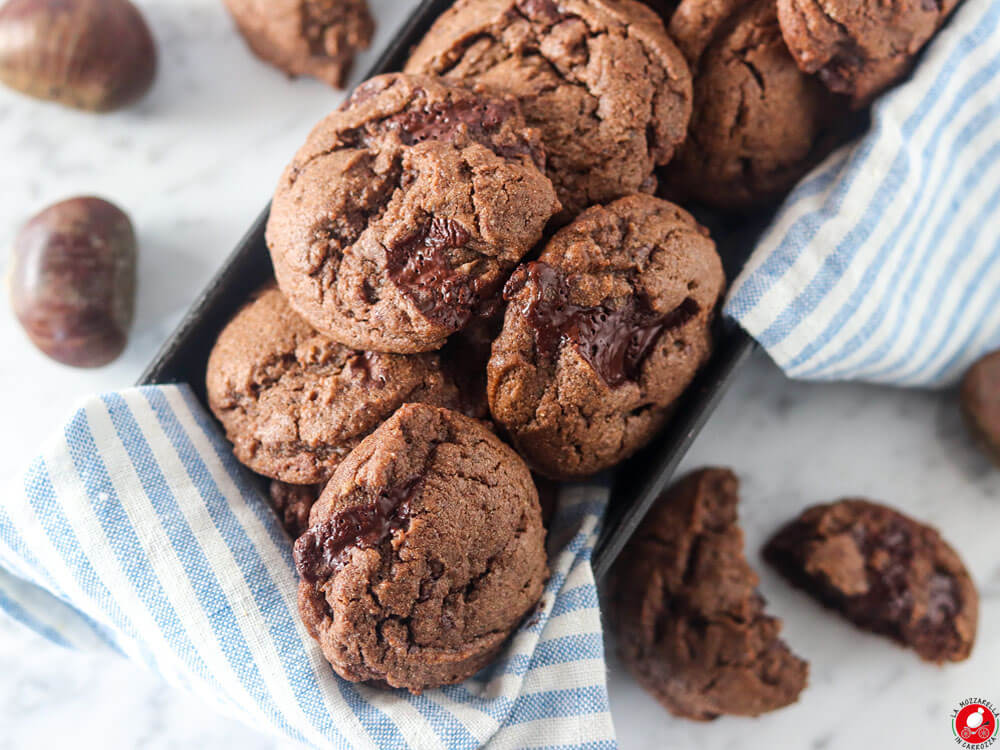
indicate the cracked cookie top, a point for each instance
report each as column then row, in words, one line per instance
column 317, row 38
column 859, row 47
column 690, row 623
column 294, row 403
column 405, row 211
column 603, row 333
column 884, row 572
column 426, row 549
column 601, row 79
column 759, row 123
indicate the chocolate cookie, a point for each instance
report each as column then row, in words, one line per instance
column 603, row 333
column 406, row 211
column 859, row 47
column 759, row 123
column 884, row 572
column 690, row 624
column 293, row 402
column 316, row 38
column 980, row 398
column 601, row 79
column 292, row 503
column 426, row 551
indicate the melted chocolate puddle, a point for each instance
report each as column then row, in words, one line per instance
column 614, row 342
column 322, row 550
column 419, row 267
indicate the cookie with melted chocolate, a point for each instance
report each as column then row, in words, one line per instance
column 405, row 211
column 860, row 47
column 758, row 123
column 294, row 402
column 691, row 625
column 602, row 333
column 883, row 571
column 601, row 80
column 425, row 551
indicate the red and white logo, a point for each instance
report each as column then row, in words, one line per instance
column 974, row 723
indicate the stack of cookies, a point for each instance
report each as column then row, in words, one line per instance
column 475, row 280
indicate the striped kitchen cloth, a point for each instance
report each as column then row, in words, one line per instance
column 136, row 531
column 884, row 263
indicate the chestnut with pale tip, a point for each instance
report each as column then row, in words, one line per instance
column 72, row 281
column 95, row 55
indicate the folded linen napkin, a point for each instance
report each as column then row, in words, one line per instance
column 136, row 531
column 884, row 263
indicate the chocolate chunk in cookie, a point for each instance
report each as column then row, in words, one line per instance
column 292, row 503
column 294, row 403
column 601, row 79
column 603, row 333
column 690, row 624
column 859, row 47
column 980, row 397
column 425, row 552
column 317, row 38
column 404, row 212
column 884, row 572
column 759, row 123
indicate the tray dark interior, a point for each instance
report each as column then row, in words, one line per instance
column 637, row 483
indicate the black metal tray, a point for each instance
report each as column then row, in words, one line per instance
column 184, row 356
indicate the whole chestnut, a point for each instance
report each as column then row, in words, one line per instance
column 95, row 55
column 72, row 281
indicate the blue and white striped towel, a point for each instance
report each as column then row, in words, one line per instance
column 884, row 263
column 136, row 531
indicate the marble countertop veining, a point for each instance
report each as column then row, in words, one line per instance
column 194, row 163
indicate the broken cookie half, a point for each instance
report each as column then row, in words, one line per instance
column 690, row 623
column 883, row 571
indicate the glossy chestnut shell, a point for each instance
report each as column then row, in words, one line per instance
column 73, row 279
column 96, row 55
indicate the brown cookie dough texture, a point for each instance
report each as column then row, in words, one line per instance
column 426, row 551
column 759, row 123
column 292, row 503
column 859, row 47
column 601, row 79
column 884, row 572
column 980, row 397
column 317, row 38
column 690, row 624
column 603, row 333
column 406, row 211
column 294, row 403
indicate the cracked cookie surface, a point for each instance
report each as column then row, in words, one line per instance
column 689, row 621
column 603, row 333
column 759, row 123
column 317, row 38
column 294, row 403
column 859, row 48
column 426, row 550
column 883, row 571
column 600, row 79
column 405, row 211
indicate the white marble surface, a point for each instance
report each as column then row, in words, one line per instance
column 193, row 164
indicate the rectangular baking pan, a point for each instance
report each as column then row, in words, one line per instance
column 637, row 483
